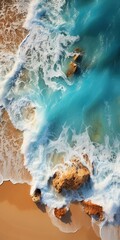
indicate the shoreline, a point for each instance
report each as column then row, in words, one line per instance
column 21, row 219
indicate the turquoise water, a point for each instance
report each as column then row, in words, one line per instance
column 72, row 115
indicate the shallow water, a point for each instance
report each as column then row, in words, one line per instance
column 68, row 116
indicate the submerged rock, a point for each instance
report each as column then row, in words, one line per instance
column 72, row 178
column 93, row 209
column 36, row 195
column 71, row 69
column 74, row 64
column 78, row 54
column 59, row 213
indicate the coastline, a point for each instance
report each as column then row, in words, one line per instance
column 11, row 160
column 21, row 219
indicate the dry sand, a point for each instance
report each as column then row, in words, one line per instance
column 21, row 219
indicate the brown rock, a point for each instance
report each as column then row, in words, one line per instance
column 36, row 196
column 93, row 209
column 76, row 56
column 72, row 178
column 72, row 69
column 59, row 213
column 78, row 50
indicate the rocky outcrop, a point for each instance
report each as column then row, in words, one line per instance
column 74, row 64
column 59, row 213
column 89, row 208
column 71, row 69
column 93, row 209
column 78, row 54
column 71, row 178
column 36, row 195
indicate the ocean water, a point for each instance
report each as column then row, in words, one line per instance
column 61, row 116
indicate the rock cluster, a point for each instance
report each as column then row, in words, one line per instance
column 71, row 69
column 71, row 178
column 73, row 65
column 93, row 209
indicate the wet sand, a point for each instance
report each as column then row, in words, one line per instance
column 21, row 219
column 11, row 22
column 11, row 159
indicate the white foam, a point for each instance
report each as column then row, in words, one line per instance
column 22, row 5
column 44, row 52
column 51, row 9
column 1, row 179
column 9, row 62
column 110, row 232
column 96, row 227
column 11, row 161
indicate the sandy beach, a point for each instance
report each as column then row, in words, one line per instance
column 20, row 218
